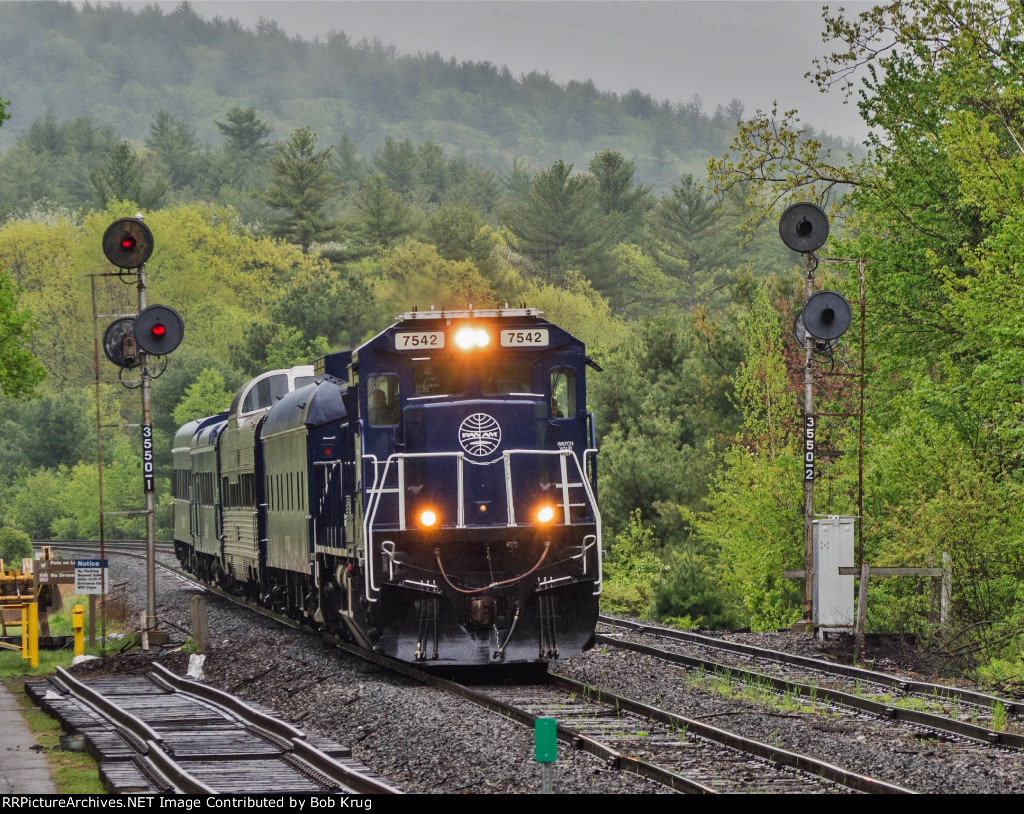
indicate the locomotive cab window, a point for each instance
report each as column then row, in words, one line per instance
column 563, row 392
column 383, row 409
column 506, row 376
column 435, row 378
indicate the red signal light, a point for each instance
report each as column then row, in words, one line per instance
column 128, row 242
column 158, row 330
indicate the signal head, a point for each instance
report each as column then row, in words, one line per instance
column 119, row 343
column 128, row 243
column 158, row 330
column 803, row 227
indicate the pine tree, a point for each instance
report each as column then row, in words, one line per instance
column 560, row 227
column 246, row 148
column 125, row 178
column 301, row 183
column 622, row 203
column 173, row 144
column 684, row 244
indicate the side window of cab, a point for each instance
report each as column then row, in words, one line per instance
column 382, row 404
column 563, row 392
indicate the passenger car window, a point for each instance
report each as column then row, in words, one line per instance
column 265, row 393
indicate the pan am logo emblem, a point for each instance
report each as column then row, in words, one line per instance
column 479, row 434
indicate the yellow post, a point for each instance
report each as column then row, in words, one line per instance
column 24, row 631
column 33, row 638
column 78, row 625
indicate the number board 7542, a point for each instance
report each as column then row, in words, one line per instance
column 419, row 340
column 524, row 337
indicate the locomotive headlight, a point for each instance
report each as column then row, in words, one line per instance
column 428, row 519
column 545, row 514
column 468, row 338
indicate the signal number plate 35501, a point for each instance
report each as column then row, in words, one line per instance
column 419, row 340
column 524, row 337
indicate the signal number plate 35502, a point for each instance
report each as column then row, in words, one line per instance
column 419, row 340
column 524, row 338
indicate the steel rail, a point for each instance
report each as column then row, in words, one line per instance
column 896, row 682
column 294, row 739
column 938, row 723
column 836, row 774
column 616, row 759
column 146, row 741
column 613, row 758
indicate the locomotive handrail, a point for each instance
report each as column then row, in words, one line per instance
column 377, row 490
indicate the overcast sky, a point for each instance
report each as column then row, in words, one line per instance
column 754, row 50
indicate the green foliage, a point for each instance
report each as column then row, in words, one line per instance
column 753, row 523
column 382, row 218
column 623, row 203
column 271, row 346
column 15, row 545
column 206, row 396
column 664, row 395
column 559, row 226
column 20, row 371
column 172, row 143
column 689, row 595
column 631, row 568
column 126, row 177
column 414, row 275
column 689, row 244
column 301, row 183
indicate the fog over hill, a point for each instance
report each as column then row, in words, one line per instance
column 756, row 51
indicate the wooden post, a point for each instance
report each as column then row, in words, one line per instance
column 92, row 622
column 947, row 590
column 862, row 610
column 200, row 623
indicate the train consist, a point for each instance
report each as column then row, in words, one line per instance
column 429, row 494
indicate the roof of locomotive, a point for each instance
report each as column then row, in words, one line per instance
column 338, row 363
column 427, row 320
column 311, row 406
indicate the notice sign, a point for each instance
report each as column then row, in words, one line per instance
column 91, row 576
column 809, row 448
column 147, row 457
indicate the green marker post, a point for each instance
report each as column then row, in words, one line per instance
column 545, row 749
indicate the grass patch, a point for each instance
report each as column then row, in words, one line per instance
column 72, row 772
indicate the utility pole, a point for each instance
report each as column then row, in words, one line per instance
column 810, row 431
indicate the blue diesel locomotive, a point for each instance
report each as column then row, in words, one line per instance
column 429, row 495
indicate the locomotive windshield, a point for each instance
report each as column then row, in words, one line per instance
column 437, row 378
column 506, row 376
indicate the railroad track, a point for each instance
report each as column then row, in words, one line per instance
column 680, row 753
column 109, row 546
column 162, row 733
column 962, row 713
